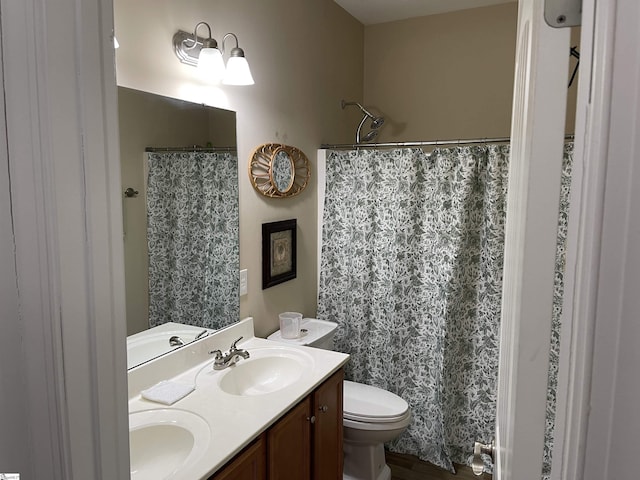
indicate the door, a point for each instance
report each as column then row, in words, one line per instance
column 537, row 137
column 248, row 465
column 289, row 445
column 328, row 428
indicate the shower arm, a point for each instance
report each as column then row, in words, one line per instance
column 364, row 110
column 364, row 119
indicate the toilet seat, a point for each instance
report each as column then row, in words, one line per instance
column 369, row 404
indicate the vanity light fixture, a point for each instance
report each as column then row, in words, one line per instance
column 204, row 53
column 238, row 72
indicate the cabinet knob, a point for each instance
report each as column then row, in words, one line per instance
column 323, row 408
column 312, row 419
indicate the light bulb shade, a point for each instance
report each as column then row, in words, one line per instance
column 238, row 72
column 211, row 64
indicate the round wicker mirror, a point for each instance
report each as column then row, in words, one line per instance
column 279, row 171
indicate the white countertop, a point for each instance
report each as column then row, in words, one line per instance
column 234, row 421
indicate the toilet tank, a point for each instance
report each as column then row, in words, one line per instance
column 314, row 333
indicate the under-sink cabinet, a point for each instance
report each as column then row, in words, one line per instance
column 305, row 443
column 289, row 444
column 250, row 464
column 328, row 428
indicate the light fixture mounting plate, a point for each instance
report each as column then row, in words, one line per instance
column 182, row 40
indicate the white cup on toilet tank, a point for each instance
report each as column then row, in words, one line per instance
column 290, row 324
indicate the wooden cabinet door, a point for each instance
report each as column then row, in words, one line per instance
column 250, row 464
column 327, row 430
column 289, row 445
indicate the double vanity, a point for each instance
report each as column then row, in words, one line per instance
column 275, row 414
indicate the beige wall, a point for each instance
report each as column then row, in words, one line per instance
column 443, row 76
column 305, row 57
column 446, row 76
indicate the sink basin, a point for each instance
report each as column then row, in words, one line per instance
column 267, row 370
column 163, row 442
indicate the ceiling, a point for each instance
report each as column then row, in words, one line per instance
column 370, row 12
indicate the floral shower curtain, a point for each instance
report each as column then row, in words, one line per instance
column 558, row 293
column 192, row 235
column 411, row 270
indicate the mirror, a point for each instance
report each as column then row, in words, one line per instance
column 282, row 171
column 155, row 191
column 277, row 170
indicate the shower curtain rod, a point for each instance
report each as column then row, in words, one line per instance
column 433, row 143
column 193, row 148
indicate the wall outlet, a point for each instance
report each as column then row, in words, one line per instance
column 243, row 282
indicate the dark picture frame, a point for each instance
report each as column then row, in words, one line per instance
column 278, row 252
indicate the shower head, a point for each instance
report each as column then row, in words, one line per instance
column 376, row 122
column 369, row 136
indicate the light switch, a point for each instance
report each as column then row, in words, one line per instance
column 243, row 282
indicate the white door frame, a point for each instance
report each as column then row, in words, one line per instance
column 62, row 151
column 602, row 254
column 583, row 247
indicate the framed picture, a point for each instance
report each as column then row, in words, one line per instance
column 278, row 252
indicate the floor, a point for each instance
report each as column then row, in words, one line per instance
column 408, row 467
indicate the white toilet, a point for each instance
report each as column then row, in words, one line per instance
column 372, row 416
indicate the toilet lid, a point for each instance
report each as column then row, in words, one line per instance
column 368, row 403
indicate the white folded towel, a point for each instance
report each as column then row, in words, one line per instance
column 167, row 392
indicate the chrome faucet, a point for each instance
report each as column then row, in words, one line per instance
column 221, row 361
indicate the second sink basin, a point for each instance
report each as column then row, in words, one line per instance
column 266, row 371
column 163, row 442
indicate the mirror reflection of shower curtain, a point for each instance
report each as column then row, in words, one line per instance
column 192, row 212
column 411, row 270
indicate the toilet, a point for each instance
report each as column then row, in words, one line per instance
column 372, row 416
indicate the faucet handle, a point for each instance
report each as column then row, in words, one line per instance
column 233, row 345
column 217, row 353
